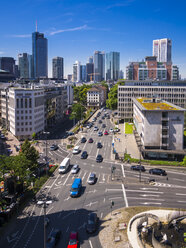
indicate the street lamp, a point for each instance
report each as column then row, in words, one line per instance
column 46, row 155
column 140, row 164
column 44, row 203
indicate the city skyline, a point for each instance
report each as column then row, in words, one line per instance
column 128, row 27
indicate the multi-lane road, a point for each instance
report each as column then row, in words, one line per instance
column 69, row 214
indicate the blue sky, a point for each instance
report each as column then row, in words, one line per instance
column 76, row 28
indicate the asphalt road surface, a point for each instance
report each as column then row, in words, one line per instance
column 70, row 214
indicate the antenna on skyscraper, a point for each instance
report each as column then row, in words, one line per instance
column 36, row 25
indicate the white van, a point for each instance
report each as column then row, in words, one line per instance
column 64, row 165
column 76, row 150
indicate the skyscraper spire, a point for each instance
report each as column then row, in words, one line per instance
column 36, row 25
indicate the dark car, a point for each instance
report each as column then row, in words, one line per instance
column 108, row 116
column 100, row 121
column 53, row 238
column 90, row 140
column 53, row 147
column 83, row 140
column 99, row 158
column 102, row 117
column 92, row 223
column 99, row 145
column 137, row 168
column 157, row 171
column 84, row 155
column 103, row 125
column 92, row 178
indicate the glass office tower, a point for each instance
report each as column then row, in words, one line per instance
column 99, row 66
column 112, row 66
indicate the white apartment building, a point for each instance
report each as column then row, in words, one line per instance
column 159, row 124
column 162, row 50
column 93, row 98
column 173, row 92
column 76, row 72
column 23, row 111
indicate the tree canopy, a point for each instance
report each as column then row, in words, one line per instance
column 112, row 100
column 78, row 111
column 80, row 93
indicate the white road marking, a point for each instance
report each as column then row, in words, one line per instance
column 108, row 179
column 182, row 201
column 149, row 188
column 144, row 191
column 113, row 190
column 66, row 179
column 67, row 229
column 130, row 197
column 98, row 177
column 84, row 175
column 180, row 194
column 67, row 198
column 53, row 182
column 67, row 215
column 124, row 195
column 150, row 203
column 104, row 200
column 114, row 198
column 149, row 195
column 101, row 215
column 49, row 210
column 90, row 244
column 91, row 203
column 103, row 177
column 181, row 180
column 122, row 168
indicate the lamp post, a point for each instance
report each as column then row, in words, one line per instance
column 44, row 203
column 140, row 164
column 46, row 154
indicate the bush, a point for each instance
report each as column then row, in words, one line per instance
column 39, row 183
column 70, row 146
column 52, row 169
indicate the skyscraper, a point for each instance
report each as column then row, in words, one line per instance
column 89, row 72
column 57, row 68
column 76, row 72
column 39, row 55
column 99, row 66
column 162, row 50
column 112, row 66
column 7, row 64
column 90, row 59
column 30, row 71
column 83, row 73
column 23, row 65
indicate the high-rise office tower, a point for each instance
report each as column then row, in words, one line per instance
column 99, row 66
column 7, row 64
column 90, row 59
column 30, row 71
column 112, row 66
column 57, row 68
column 162, row 50
column 23, row 65
column 76, row 72
column 39, row 55
column 83, row 73
column 89, row 72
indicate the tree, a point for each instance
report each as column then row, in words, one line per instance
column 78, row 112
column 184, row 161
column 112, row 100
column 30, row 153
column 33, row 135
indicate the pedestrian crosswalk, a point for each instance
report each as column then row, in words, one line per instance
column 157, row 184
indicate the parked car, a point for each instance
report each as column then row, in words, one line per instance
column 90, row 140
column 102, row 117
column 99, row 145
column 75, row 169
column 106, row 132
column 76, row 150
column 99, row 158
column 158, row 171
column 73, row 240
column 100, row 121
column 96, row 128
column 84, row 155
column 53, row 147
column 100, row 134
column 70, row 133
column 103, row 125
column 92, row 223
column 83, row 140
column 92, row 178
column 53, row 238
column 137, row 168
column 111, row 130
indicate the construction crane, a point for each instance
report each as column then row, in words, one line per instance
column 93, row 74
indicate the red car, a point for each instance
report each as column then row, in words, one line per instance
column 73, row 240
column 106, row 133
column 90, row 140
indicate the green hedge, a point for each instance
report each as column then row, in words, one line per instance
column 70, row 146
column 152, row 162
column 39, row 183
column 52, row 169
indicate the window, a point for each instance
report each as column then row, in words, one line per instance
column 22, row 123
column 30, row 117
column 17, row 103
column 26, row 129
column 22, row 129
column 17, row 111
column 30, row 111
column 17, row 129
column 17, row 117
column 30, row 129
column 21, row 103
column 22, row 118
column 26, row 103
column 30, row 123
column 22, row 111
column 26, row 123
column 26, row 117
column 30, row 103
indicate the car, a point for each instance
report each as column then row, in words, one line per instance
column 2, row 137
column 73, row 240
column 100, row 121
column 92, row 223
column 138, row 168
column 90, row 140
column 106, row 132
column 116, row 129
column 75, row 169
column 111, row 130
column 84, row 155
column 53, row 147
column 99, row 145
column 158, row 171
column 88, row 126
column 83, row 140
column 76, row 150
column 70, row 133
column 100, row 134
column 96, row 128
column 99, row 158
column 53, row 238
column 92, row 178
column 102, row 117
column 103, row 125
column 108, row 116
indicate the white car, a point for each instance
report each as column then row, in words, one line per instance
column 75, row 169
column 96, row 128
column 111, row 130
column 76, row 150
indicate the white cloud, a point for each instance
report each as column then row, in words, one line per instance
column 21, row 35
column 84, row 27
column 1, row 52
column 122, row 4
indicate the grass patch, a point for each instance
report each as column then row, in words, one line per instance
column 70, row 146
column 128, row 128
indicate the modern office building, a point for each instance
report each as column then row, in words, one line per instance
column 162, row 49
column 89, row 72
column 83, row 73
column 173, row 92
column 76, row 72
column 57, row 68
column 112, row 66
column 39, row 55
column 99, row 66
column 23, row 65
column 30, row 71
column 121, row 74
column 90, row 60
column 7, row 64
column 151, row 69
column 69, row 77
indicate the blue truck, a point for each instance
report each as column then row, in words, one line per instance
column 76, row 187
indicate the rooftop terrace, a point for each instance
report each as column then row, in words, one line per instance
column 156, row 104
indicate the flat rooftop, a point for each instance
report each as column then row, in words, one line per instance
column 156, row 104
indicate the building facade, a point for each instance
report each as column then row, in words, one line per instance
column 162, row 49
column 23, row 64
column 57, row 68
column 99, row 66
column 112, row 66
column 151, row 69
column 173, row 92
column 96, row 97
column 89, row 72
column 83, row 73
column 7, row 64
column 76, row 72
column 39, row 55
